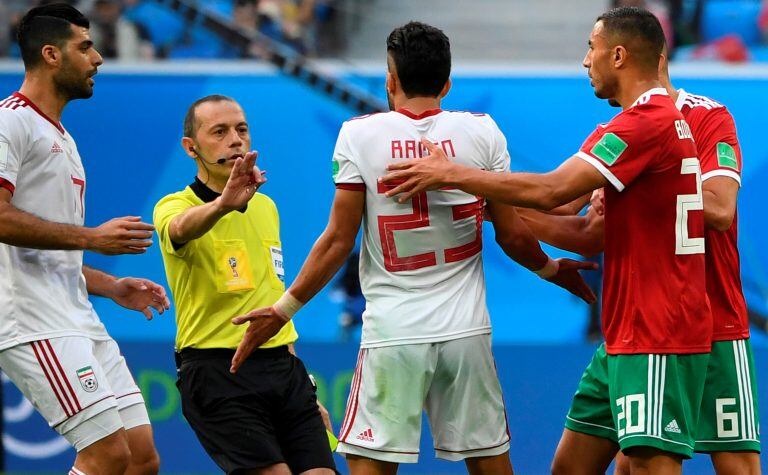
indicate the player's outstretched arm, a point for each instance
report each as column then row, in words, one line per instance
column 720, row 194
column 126, row 235
column 571, row 180
column 323, row 262
column 244, row 180
column 580, row 234
column 517, row 241
column 132, row 293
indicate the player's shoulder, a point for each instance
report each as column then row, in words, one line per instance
column 261, row 199
column 14, row 112
column 686, row 100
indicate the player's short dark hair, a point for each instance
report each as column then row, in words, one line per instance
column 636, row 29
column 422, row 57
column 190, row 119
column 50, row 24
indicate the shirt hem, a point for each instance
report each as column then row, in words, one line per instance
column 11, row 342
column 720, row 172
column 739, row 335
column 675, row 350
column 426, row 339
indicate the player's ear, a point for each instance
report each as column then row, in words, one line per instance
column 620, row 54
column 391, row 83
column 51, row 55
column 446, row 89
column 189, row 147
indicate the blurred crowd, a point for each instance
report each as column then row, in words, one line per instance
column 145, row 29
column 724, row 30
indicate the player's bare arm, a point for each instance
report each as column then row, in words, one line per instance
column 129, row 292
column 720, row 194
column 572, row 208
column 571, row 180
column 243, row 183
column 520, row 244
column 126, row 235
column 580, row 234
column 323, row 262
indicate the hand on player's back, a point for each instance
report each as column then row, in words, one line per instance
column 421, row 174
column 598, row 201
column 126, row 235
column 569, row 278
column 265, row 323
column 244, row 180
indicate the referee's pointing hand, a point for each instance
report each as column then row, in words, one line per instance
column 265, row 323
column 244, row 180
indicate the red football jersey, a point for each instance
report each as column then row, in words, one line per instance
column 654, row 291
column 720, row 155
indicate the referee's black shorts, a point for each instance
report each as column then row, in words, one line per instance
column 263, row 415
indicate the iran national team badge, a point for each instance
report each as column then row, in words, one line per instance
column 87, row 379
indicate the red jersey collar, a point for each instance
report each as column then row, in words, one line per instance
column 426, row 113
column 646, row 96
column 37, row 109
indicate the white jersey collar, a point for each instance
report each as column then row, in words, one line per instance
column 682, row 96
column 644, row 97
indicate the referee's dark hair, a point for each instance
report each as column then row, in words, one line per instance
column 50, row 24
column 638, row 30
column 422, row 57
column 190, row 119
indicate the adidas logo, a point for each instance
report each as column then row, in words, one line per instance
column 56, row 148
column 672, row 427
column 366, row 435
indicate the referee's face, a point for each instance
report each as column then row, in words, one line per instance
column 222, row 136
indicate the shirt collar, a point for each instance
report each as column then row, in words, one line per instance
column 644, row 97
column 681, row 97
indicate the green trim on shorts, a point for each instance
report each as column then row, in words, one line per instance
column 729, row 420
column 641, row 400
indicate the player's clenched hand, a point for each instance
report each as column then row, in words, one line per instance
column 568, row 277
column 126, row 235
column 244, row 180
column 140, row 295
column 421, row 174
column 264, row 324
column 598, row 201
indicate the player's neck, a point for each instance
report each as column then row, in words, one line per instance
column 629, row 94
column 417, row 105
column 43, row 95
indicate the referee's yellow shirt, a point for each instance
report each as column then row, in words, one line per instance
column 234, row 268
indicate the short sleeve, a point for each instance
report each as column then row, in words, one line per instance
column 500, row 161
column 346, row 174
column 12, row 145
column 623, row 149
column 165, row 210
column 718, row 145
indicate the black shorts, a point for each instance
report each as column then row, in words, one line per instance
column 263, row 415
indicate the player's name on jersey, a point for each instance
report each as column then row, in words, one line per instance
column 414, row 148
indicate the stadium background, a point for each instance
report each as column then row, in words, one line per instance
column 128, row 135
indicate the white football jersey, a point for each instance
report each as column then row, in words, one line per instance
column 42, row 293
column 421, row 268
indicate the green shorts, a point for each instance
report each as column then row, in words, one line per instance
column 641, row 400
column 729, row 419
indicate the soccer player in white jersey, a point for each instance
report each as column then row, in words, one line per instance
column 426, row 330
column 52, row 344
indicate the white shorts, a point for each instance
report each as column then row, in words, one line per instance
column 454, row 381
column 82, row 387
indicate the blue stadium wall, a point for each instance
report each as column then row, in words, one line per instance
column 128, row 135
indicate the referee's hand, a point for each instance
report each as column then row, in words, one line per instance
column 264, row 324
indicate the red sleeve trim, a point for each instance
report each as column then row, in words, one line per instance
column 351, row 186
column 7, row 185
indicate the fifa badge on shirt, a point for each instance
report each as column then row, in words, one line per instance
column 726, row 156
column 233, row 265
column 277, row 262
column 609, row 148
column 87, row 379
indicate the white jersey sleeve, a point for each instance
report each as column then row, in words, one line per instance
column 345, row 170
column 13, row 141
column 420, row 262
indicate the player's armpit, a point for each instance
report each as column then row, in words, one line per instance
column 580, row 234
column 720, row 194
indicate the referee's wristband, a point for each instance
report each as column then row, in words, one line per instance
column 549, row 270
column 287, row 306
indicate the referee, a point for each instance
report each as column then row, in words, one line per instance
column 220, row 242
